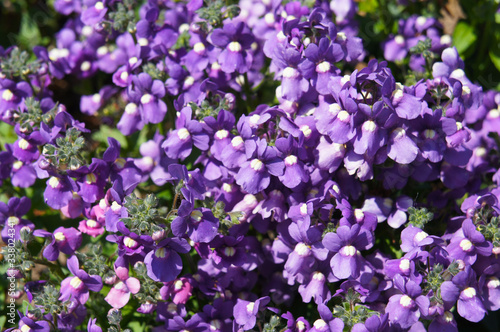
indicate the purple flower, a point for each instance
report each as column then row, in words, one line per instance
column 78, row 286
column 179, row 143
column 405, row 309
column 346, row 243
column 92, row 326
column 468, row 243
column 65, row 240
column 11, row 217
column 374, row 323
column 163, row 262
column 463, row 287
column 255, row 174
column 147, row 94
column 199, row 224
column 235, row 39
column 245, row 312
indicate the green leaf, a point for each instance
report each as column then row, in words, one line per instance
column 8, row 134
column 495, row 52
column 105, row 132
column 464, row 37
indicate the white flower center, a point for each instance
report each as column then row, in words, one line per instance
column 318, row 276
column 124, row 75
column 302, row 249
column 143, row 41
column 404, row 265
column 343, row 116
column 24, row 144
column 197, row 215
column 59, row 236
column 493, row 282
column 323, row 67
column 85, row 66
column 400, row 40
column 178, row 285
column 369, row 126
column 319, row 324
column 398, row 133
column 99, row 6
column 466, row 245
column 448, row 317
column 303, row 209
column 445, row 40
column 420, row 236
column 133, row 60
column 160, row 252
column 349, row 251
column 421, row 20
column 131, row 108
column 54, row 182
column 359, row 214
column 146, row 99
column 199, row 48
column 256, row 165
column 406, row 301
column 183, row 134
column 92, row 223
column 269, row 19
column 129, row 242
column 306, row 130
column 250, row 307
column 429, row 133
column 229, row 251
column 76, row 283
column 290, row 160
column 237, row 142
column 469, row 292
column 13, row 221
column 234, row 46
column 290, row 72
column 222, row 134
column 227, row 187
column 7, row 95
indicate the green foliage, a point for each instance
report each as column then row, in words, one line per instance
column 419, row 217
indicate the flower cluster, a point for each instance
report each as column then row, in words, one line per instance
column 241, row 159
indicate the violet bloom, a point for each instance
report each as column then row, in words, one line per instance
column 327, row 323
column 199, row 224
column 179, row 290
column 401, row 146
column 463, row 287
column 236, row 40
column 293, row 84
column 179, row 143
column 295, row 325
column 468, row 243
column 66, row 240
column 346, row 244
column 92, row 326
column 374, row 323
column 59, row 191
column 255, row 174
column 12, row 95
column 295, row 172
column 318, row 65
column 245, row 312
column 95, row 11
column 148, row 93
column 27, row 324
column 78, row 286
column 405, row 309
column 163, row 262
column 11, row 217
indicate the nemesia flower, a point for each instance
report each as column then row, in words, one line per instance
column 78, row 286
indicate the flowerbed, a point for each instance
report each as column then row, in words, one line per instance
column 218, row 166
